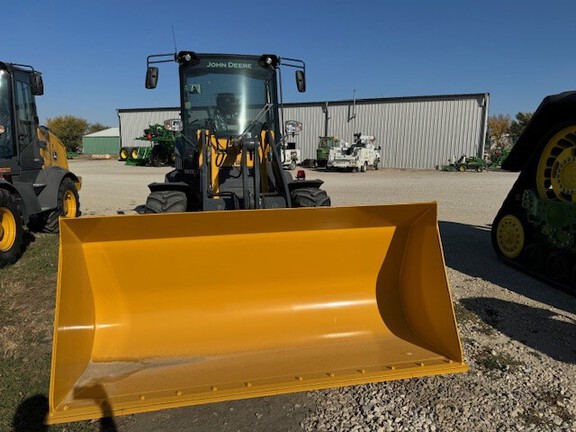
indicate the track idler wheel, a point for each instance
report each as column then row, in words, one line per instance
column 558, row 266
column 534, row 256
column 510, row 236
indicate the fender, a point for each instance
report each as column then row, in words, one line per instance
column 299, row 184
column 52, row 176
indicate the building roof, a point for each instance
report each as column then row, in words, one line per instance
column 110, row 132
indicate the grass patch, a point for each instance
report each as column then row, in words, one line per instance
column 493, row 361
column 27, row 298
column 465, row 316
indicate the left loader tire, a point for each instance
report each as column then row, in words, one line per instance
column 11, row 229
column 68, row 207
column 310, row 197
column 166, row 202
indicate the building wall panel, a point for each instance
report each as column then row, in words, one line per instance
column 413, row 132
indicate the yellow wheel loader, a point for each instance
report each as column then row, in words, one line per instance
column 36, row 187
column 535, row 230
column 218, row 322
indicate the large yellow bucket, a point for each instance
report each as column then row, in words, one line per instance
column 160, row 311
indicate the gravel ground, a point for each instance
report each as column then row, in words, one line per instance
column 518, row 334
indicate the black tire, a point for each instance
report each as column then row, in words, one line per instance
column 124, row 153
column 159, row 156
column 11, row 229
column 479, row 168
column 377, row 165
column 68, row 206
column 310, row 197
column 134, row 152
column 364, row 167
column 292, row 165
column 462, row 168
column 166, row 202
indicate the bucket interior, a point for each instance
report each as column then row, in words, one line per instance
column 158, row 311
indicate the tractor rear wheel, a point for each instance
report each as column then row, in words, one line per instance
column 310, row 197
column 11, row 229
column 556, row 173
column 159, row 156
column 124, row 153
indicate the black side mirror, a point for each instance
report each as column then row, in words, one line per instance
column 37, row 84
column 151, row 77
column 300, row 81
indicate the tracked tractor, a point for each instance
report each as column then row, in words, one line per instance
column 535, row 229
column 36, row 187
column 212, row 317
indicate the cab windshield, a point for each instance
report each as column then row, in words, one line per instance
column 229, row 96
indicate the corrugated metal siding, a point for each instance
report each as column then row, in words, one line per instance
column 134, row 121
column 101, row 145
column 414, row 132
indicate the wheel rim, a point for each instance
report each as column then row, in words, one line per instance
column 7, row 229
column 556, row 175
column 69, row 204
column 510, row 236
column 123, row 154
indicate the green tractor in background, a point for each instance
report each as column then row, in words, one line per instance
column 159, row 153
column 466, row 163
column 324, row 145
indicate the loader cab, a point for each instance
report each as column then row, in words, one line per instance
column 230, row 95
column 19, row 144
column 229, row 137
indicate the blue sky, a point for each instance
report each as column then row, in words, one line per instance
column 93, row 53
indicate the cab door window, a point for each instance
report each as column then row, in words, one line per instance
column 7, row 145
column 26, row 123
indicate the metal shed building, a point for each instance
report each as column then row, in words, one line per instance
column 133, row 121
column 413, row 132
column 106, row 141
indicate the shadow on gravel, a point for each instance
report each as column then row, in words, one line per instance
column 539, row 329
column 468, row 249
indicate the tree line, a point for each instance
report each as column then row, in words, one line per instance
column 70, row 130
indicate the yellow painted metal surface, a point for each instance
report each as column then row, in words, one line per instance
column 212, row 314
column 54, row 154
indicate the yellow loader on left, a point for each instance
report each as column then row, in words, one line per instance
column 36, row 187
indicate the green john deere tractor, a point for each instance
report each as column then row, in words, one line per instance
column 535, row 230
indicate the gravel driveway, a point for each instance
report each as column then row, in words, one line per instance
column 518, row 334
